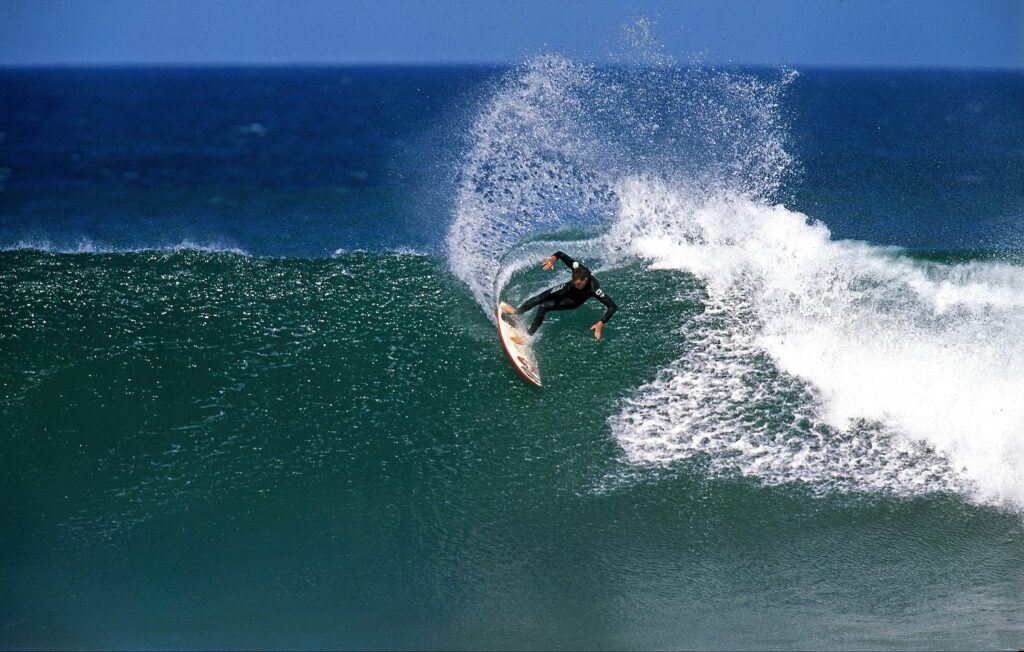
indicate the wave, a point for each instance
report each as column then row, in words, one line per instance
column 837, row 364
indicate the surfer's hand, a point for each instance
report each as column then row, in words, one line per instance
column 549, row 263
column 597, row 328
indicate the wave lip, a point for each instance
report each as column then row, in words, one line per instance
column 87, row 246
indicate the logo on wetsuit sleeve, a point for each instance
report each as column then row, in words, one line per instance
column 599, row 292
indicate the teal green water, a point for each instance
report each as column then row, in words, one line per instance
column 208, row 450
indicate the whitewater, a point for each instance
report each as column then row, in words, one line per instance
column 840, row 365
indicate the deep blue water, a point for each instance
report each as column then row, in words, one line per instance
column 303, row 162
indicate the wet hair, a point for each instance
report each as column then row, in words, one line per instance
column 579, row 272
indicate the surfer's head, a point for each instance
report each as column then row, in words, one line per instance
column 580, row 276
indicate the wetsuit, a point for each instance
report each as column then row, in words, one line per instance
column 566, row 297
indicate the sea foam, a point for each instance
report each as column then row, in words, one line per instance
column 895, row 373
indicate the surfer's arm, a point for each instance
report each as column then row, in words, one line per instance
column 549, row 262
column 598, row 327
column 564, row 258
column 607, row 301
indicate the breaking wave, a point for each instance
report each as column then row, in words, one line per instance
column 837, row 364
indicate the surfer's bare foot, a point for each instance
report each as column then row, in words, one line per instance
column 507, row 309
column 516, row 339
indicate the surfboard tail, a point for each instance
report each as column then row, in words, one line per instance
column 516, row 343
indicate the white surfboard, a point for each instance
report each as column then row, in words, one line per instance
column 521, row 355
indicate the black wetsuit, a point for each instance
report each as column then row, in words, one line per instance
column 566, row 297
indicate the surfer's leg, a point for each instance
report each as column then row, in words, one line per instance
column 533, row 301
column 548, row 306
column 538, row 319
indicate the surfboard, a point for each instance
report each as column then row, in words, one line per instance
column 521, row 355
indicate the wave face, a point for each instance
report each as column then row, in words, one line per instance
column 146, row 383
column 837, row 364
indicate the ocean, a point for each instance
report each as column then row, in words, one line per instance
column 252, row 396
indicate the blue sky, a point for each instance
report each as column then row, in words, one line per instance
column 863, row 33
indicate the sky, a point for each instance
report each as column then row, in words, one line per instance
column 827, row 33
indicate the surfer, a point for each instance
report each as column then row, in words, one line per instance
column 566, row 296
